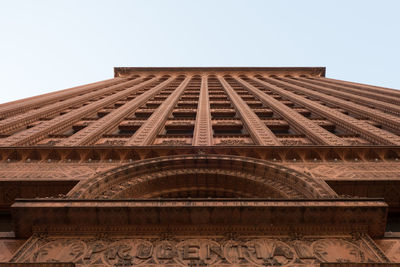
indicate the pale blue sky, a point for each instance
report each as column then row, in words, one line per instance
column 51, row 45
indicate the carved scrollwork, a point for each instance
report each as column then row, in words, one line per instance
column 174, row 142
column 67, row 250
column 232, row 142
column 292, row 142
column 336, row 250
column 112, row 142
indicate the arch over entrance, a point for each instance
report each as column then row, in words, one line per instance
column 201, row 176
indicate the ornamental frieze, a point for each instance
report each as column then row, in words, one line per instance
column 65, row 171
column 338, row 171
column 204, row 251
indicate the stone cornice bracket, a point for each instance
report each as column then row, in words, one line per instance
column 93, row 132
column 257, row 129
column 146, row 134
column 203, row 134
column 366, row 130
column 313, row 131
column 37, row 133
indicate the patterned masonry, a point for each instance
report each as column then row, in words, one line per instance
column 202, row 167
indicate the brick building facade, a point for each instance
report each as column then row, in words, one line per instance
column 202, row 167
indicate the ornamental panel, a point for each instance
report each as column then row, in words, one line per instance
column 229, row 250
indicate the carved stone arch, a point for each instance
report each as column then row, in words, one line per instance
column 240, row 152
column 332, row 155
column 292, row 155
column 233, row 152
column 53, row 156
column 151, row 154
column 112, row 155
column 253, row 154
column 273, row 155
column 230, row 176
column 92, row 156
column 34, row 155
column 132, row 155
column 172, row 152
column 351, row 155
column 73, row 156
column 391, row 155
column 14, row 156
column 184, row 183
column 371, row 155
column 312, row 155
column 192, row 151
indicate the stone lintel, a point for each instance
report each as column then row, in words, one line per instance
column 315, row 216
